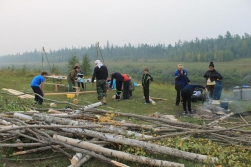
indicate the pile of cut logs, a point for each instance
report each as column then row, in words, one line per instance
column 88, row 132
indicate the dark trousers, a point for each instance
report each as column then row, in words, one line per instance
column 146, row 93
column 118, row 89
column 178, row 88
column 186, row 96
column 177, row 97
column 82, row 84
column 126, row 90
column 130, row 93
column 37, row 90
column 210, row 89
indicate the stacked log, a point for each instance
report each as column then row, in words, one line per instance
column 56, row 130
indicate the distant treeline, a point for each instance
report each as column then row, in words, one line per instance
column 224, row 48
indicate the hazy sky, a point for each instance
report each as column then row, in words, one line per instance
column 26, row 25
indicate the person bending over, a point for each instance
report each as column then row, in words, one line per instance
column 119, row 80
column 38, row 87
column 186, row 94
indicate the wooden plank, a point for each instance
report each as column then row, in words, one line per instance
column 64, row 93
column 19, row 94
column 48, row 83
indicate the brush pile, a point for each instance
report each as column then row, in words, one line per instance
column 88, row 132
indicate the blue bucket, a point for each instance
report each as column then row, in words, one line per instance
column 224, row 104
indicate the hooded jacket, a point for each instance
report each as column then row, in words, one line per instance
column 213, row 75
column 181, row 80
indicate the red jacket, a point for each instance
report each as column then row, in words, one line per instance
column 126, row 77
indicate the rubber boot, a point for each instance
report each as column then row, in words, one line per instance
column 104, row 100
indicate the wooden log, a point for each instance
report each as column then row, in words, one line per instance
column 151, row 101
column 32, row 150
column 76, row 158
column 51, row 111
column 19, row 141
column 62, row 114
column 22, row 144
column 114, row 153
column 21, row 116
column 14, row 127
column 222, row 118
column 52, row 132
column 150, row 119
column 108, row 129
column 91, row 153
column 85, row 158
column 145, row 145
column 3, row 122
column 156, row 98
column 88, row 107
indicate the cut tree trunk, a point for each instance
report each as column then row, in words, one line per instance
column 114, row 153
column 21, row 116
column 86, row 108
column 108, row 129
column 145, row 145
column 147, row 118
column 222, row 118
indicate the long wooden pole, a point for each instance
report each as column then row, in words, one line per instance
column 64, row 93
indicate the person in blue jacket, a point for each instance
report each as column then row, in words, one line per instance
column 38, row 87
column 186, row 94
column 181, row 80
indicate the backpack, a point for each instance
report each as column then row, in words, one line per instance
column 131, row 85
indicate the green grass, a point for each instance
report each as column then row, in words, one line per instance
column 18, row 81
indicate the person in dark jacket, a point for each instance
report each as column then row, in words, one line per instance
column 119, row 81
column 126, row 85
column 213, row 78
column 186, row 94
column 146, row 78
column 101, row 74
column 38, row 87
column 181, row 80
column 71, row 78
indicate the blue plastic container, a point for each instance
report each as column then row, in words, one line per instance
column 224, row 104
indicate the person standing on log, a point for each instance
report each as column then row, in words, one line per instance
column 181, row 80
column 126, row 85
column 186, row 94
column 119, row 81
column 100, row 73
column 214, row 81
column 38, row 87
column 71, row 78
column 146, row 78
